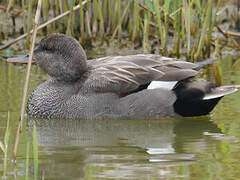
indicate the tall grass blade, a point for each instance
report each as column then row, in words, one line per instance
column 150, row 4
column 45, row 9
column 10, row 3
column 110, row 14
column 100, row 18
column 2, row 146
column 129, row 15
column 81, row 18
column 87, row 20
column 29, row 22
column 166, row 17
column 6, row 141
column 187, row 20
column 159, row 21
column 95, row 17
column 65, row 8
column 105, row 15
column 177, row 25
column 212, row 22
column 210, row 30
column 7, row 133
column 119, row 19
column 71, row 20
column 27, row 160
column 135, row 20
column 145, row 32
column 122, row 18
column 208, row 15
column 35, row 152
column 24, row 15
column 217, row 73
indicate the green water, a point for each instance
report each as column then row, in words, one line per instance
column 192, row 148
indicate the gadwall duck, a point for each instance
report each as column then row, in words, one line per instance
column 117, row 87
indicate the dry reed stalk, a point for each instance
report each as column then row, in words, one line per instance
column 228, row 33
column 35, row 28
column 9, row 5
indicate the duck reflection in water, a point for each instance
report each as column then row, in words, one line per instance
column 120, row 145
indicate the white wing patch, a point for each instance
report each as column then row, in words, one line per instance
column 162, row 84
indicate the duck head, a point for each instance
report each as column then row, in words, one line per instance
column 62, row 57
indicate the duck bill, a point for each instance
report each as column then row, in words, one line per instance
column 20, row 60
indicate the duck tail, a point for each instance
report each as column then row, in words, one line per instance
column 221, row 91
column 204, row 63
column 192, row 101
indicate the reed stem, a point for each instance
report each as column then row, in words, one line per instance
column 35, row 28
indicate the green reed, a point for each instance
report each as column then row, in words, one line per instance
column 81, row 18
column 29, row 22
column 217, row 73
column 27, row 160
column 35, row 152
column 157, row 13
column 123, row 15
column 166, row 21
column 88, row 19
column 211, row 28
column 187, row 22
column 206, row 22
column 70, row 24
column 135, row 21
column 145, row 33
column 4, row 147
column 190, row 23
column 119, row 19
column 177, row 26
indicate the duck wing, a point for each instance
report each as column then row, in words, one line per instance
column 122, row 74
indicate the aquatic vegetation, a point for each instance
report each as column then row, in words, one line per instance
column 4, row 147
column 27, row 160
column 31, row 153
column 35, row 152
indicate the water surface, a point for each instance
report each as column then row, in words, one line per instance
column 190, row 148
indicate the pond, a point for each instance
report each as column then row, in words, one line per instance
column 190, row 148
